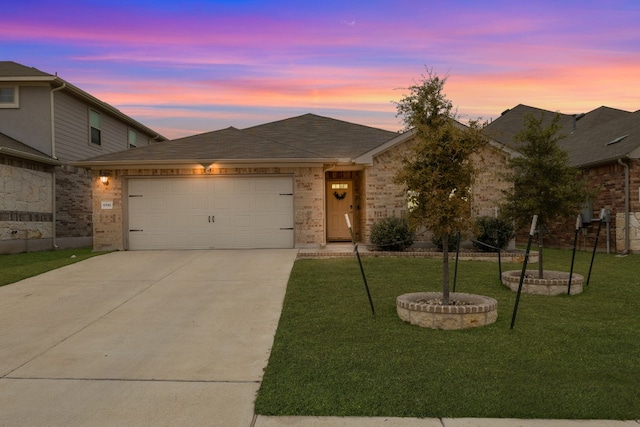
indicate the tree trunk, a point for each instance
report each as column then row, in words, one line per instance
column 540, row 246
column 445, row 269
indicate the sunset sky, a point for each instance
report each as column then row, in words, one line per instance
column 191, row 66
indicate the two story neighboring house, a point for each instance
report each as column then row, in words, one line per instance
column 45, row 124
column 605, row 145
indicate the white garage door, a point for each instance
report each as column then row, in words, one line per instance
column 210, row 213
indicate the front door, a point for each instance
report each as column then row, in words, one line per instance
column 339, row 202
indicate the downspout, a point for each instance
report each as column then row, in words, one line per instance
column 627, row 221
column 53, row 174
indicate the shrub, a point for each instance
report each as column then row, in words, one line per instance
column 493, row 231
column 391, row 234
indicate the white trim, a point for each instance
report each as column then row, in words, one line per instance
column 16, row 97
column 367, row 158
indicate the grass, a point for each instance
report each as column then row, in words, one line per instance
column 16, row 267
column 568, row 357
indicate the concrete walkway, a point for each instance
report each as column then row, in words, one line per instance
column 166, row 338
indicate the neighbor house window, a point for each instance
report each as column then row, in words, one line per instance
column 95, row 127
column 9, row 97
column 132, row 139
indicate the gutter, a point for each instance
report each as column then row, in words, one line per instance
column 106, row 164
column 54, row 207
column 627, row 220
column 27, row 156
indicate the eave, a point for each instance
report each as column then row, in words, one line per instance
column 28, row 156
column 191, row 163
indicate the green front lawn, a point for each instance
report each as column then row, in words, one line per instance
column 574, row 357
column 16, row 267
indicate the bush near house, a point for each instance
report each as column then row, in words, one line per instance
column 494, row 233
column 391, row 234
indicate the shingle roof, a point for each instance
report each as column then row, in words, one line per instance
column 16, row 148
column 13, row 69
column 307, row 137
column 224, row 144
column 588, row 136
column 607, row 141
column 504, row 128
column 324, row 135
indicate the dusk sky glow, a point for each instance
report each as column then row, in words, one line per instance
column 194, row 66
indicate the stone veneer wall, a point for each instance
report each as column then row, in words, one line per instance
column 488, row 186
column 26, row 205
column 384, row 198
column 108, row 225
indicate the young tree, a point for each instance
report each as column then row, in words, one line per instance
column 543, row 182
column 439, row 173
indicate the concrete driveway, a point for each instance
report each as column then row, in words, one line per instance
column 141, row 338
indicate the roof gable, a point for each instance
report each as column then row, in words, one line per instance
column 323, row 135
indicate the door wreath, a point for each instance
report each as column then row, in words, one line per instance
column 339, row 196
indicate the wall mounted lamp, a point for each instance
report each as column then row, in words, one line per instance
column 104, row 177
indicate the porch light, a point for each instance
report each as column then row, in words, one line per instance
column 104, row 177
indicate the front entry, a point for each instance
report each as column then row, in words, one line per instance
column 339, row 202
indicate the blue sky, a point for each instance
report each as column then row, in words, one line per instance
column 194, row 66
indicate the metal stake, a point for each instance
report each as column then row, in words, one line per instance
column 595, row 246
column 524, row 269
column 455, row 271
column 355, row 249
column 573, row 256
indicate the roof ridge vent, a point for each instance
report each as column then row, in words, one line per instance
column 618, row 139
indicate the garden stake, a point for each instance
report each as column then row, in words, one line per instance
column 573, row 256
column 524, row 269
column 355, row 249
column 455, row 272
column 593, row 255
column 499, row 265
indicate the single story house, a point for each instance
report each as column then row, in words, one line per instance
column 605, row 145
column 285, row 184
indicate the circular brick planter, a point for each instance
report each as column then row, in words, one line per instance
column 554, row 282
column 475, row 310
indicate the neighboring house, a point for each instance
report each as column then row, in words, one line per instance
column 45, row 124
column 285, row 184
column 605, row 145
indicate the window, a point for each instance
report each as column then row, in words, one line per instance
column 132, row 139
column 339, row 186
column 9, row 97
column 95, row 127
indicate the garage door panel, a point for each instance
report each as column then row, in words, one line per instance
column 243, row 221
column 221, row 202
column 210, row 212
